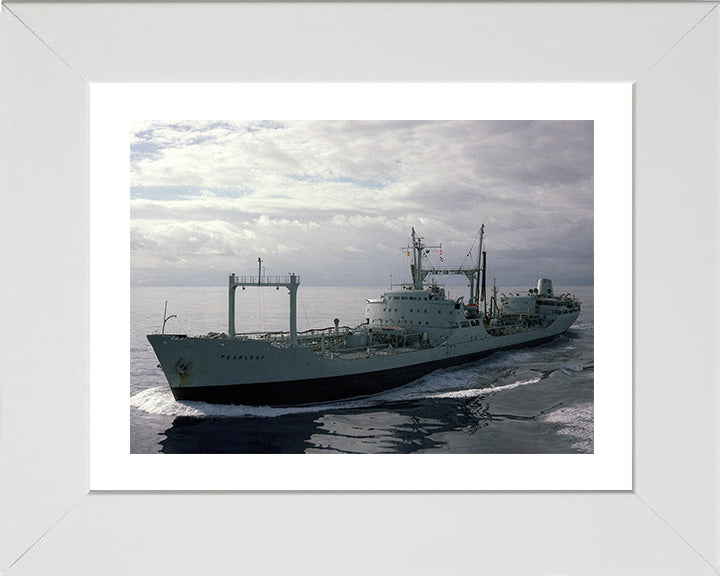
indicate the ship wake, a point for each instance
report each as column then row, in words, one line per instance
column 490, row 376
column 473, row 392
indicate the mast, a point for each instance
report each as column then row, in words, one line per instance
column 293, row 287
column 493, row 301
column 482, row 294
column 418, row 274
column 166, row 317
column 480, row 266
column 231, row 305
column 417, row 259
column 416, row 267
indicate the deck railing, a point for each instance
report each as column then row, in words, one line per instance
column 263, row 280
column 306, row 334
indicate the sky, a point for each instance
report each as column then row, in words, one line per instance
column 335, row 201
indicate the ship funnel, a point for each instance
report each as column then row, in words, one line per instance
column 544, row 287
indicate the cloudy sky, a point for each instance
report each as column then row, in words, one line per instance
column 335, row 201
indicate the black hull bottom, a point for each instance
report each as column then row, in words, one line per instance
column 327, row 389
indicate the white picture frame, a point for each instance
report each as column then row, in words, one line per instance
column 668, row 524
column 114, row 107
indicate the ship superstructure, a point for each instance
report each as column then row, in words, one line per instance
column 409, row 331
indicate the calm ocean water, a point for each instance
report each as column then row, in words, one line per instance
column 533, row 400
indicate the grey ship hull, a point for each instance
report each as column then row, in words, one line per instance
column 252, row 372
column 312, row 390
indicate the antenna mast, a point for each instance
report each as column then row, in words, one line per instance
column 472, row 273
column 416, row 267
column 480, row 267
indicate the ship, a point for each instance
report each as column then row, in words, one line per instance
column 409, row 331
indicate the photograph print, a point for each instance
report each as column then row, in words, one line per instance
column 362, row 287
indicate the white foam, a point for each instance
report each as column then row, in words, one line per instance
column 159, row 400
column 482, row 391
column 577, row 421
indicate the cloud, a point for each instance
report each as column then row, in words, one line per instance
column 335, row 200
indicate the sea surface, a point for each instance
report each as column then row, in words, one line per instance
column 529, row 401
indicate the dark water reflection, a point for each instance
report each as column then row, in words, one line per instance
column 489, row 423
